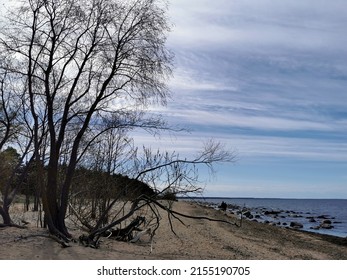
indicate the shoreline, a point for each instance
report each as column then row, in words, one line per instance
column 339, row 240
column 195, row 239
column 323, row 223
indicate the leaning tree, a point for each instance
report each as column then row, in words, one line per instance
column 84, row 62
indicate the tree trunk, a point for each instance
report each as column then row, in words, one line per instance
column 53, row 217
column 4, row 212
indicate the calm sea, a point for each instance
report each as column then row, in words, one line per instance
column 297, row 210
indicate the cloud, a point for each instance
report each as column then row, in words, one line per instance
column 185, row 79
column 253, row 147
column 275, row 148
column 295, row 25
column 268, row 78
column 252, row 122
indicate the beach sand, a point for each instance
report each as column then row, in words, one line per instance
column 196, row 239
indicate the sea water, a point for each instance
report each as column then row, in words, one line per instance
column 295, row 210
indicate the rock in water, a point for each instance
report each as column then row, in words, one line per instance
column 296, row 225
column 326, row 224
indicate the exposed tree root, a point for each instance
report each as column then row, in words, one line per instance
column 12, row 225
column 127, row 234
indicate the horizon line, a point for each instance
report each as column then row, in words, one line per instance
column 226, row 197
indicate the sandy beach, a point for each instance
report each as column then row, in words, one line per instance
column 196, row 239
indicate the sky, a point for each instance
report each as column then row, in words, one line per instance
column 268, row 79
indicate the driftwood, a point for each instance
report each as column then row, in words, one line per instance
column 141, row 233
column 120, row 234
column 86, row 241
column 127, row 233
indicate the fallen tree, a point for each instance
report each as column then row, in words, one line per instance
column 181, row 178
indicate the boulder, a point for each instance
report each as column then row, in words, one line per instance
column 248, row 214
column 295, row 215
column 315, row 227
column 296, row 225
column 326, row 224
column 323, row 217
column 272, row 212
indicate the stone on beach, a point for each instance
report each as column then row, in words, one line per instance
column 248, row 215
column 296, row 225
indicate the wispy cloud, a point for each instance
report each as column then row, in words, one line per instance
column 186, row 79
column 202, row 117
column 291, row 24
column 268, row 78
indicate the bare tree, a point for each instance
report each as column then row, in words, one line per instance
column 82, row 62
column 88, row 70
column 9, row 108
column 12, row 132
